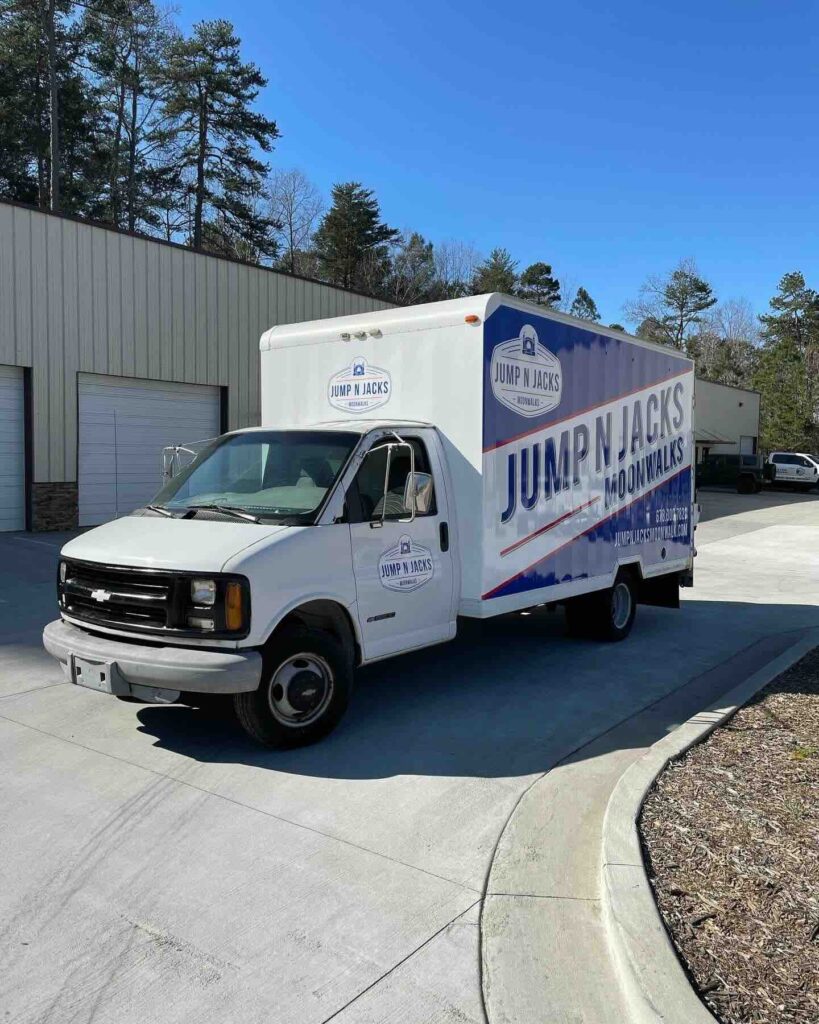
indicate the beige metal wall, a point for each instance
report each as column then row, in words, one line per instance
column 723, row 413
column 79, row 298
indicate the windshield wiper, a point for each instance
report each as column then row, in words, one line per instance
column 161, row 509
column 230, row 510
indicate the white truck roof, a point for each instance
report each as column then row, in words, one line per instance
column 423, row 317
column 351, row 426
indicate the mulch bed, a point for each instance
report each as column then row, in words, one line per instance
column 731, row 839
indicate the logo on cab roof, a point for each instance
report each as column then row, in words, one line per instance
column 526, row 377
column 359, row 387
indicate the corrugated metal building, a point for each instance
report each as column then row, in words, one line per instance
column 112, row 346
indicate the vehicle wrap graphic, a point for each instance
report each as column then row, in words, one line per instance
column 602, row 477
column 525, row 376
column 405, row 566
column 359, row 387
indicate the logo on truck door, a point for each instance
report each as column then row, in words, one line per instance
column 359, row 387
column 405, row 566
column 526, row 376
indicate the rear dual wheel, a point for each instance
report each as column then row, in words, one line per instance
column 308, row 679
column 605, row 614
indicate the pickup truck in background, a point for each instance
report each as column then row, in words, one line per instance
column 747, row 473
column 472, row 457
column 796, row 468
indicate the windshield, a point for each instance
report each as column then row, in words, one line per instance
column 278, row 474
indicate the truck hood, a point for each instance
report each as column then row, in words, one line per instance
column 161, row 543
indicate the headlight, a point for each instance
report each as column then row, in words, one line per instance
column 203, row 592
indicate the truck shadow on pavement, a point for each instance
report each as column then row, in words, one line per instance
column 510, row 696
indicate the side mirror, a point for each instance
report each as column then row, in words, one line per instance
column 418, row 493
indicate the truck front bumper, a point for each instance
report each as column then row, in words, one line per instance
column 157, row 674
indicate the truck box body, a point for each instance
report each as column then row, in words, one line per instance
column 569, row 446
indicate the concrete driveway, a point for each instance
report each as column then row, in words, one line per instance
column 156, row 866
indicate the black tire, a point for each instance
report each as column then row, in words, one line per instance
column 745, row 485
column 606, row 615
column 309, row 667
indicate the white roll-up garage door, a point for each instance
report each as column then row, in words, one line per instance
column 124, row 424
column 12, row 450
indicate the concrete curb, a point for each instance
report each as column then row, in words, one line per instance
column 653, row 981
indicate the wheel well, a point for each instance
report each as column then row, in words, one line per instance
column 329, row 616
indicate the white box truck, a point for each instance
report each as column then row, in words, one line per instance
column 472, row 457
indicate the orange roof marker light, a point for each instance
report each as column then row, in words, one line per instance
column 472, row 319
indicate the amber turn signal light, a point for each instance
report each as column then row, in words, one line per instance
column 233, row 606
column 472, row 319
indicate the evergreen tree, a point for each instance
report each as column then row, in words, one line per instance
column 789, row 366
column 126, row 42
column 668, row 308
column 785, row 423
column 221, row 239
column 497, row 273
column 212, row 128
column 538, row 285
column 584, row 306
column 351, row 243
column 52, row 161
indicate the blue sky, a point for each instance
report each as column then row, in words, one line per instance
column 608, row 140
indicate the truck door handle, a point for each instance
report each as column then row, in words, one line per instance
column 443, row 530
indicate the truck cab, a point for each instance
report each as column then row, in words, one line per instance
column 316, row 549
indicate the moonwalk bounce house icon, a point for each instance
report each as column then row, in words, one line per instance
column 359, row 367
column 406, row 546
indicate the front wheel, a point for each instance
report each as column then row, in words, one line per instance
column 305, row 691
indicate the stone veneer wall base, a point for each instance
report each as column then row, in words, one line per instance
column 54, row 506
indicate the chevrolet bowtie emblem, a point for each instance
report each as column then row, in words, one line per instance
column 100, row 595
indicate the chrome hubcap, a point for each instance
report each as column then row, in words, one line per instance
column 620, row 605
column 300, row 690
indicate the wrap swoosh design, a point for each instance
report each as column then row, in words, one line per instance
column 602, row 476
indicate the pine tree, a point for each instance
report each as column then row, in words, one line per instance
column 212, row 129
column 785, row 422
column 789, row 364
column 126, row 42
column 351, row 243
column 538, row 285
column 497, row 273
column 54, row 162
column 668, row 308
column 584, row 306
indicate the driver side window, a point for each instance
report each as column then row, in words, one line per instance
column 366, row 499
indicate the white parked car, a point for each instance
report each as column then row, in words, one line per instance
column 795, row 468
